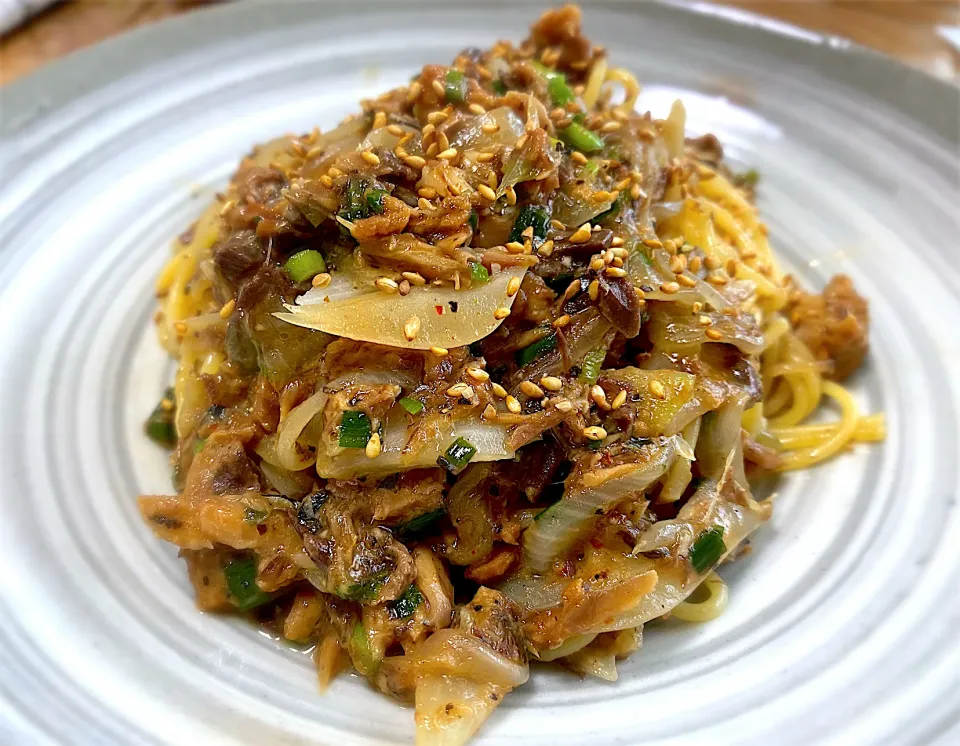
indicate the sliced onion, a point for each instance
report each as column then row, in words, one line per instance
column 577, row 207
column 452, row 652
column 533, row 593
column 381, row 318
column 594, row 661
column 709, row 506
column 472, row 137
column 383, row 138
column 490, row 440
column 559, row 527
column 451, row 709
column 290, row 454
column 569, row 646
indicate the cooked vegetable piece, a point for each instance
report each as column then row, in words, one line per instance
column 707, row 549
column 577, row 136
column 354, row 430
column 365, row 590
column 407, row 604
column 159, row 425
column 241, row 575
column 419, row 524
column 305, row 264
column 458, row 455
column 456, row 87
column 531, row 216
column 413, row 406
column 533, row 351
column 478, row 273
column 590, row 370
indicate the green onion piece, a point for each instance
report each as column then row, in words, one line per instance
column 198, row 445
column 366, row 589
column 362, row 655
column 531, row 215
column 419, row 524
column 590, row 370
column 413, row 406
column 241, row 575
column 478, row 273
column 635, row 444
column 458, row 455
column 159, row 425
column 557, row 86
column 531, row 352
column 253, row 516
column 404, row 606
column 560, row 92
column 305, row 264
column 580, row 138
column 499, row 87
column 474, row 220
column 589, row 170
column 707, row 549
column 354, row 429
column 594, row 445
column 748, row 178
column 374, row 198
column 456, row 87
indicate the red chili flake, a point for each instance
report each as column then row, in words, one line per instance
column 596, row 543
column 439, row 310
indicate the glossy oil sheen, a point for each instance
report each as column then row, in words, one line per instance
column 843, row 622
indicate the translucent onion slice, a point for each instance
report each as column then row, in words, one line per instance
column 560, row 525
column 490, row 440
column 450, row 709
column 382, row 319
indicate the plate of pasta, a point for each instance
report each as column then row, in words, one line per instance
column 440, row 374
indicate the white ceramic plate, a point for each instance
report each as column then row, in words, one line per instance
column 843, row 625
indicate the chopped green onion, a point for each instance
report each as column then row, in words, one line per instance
column 474, row 220
column 374, row 198
column 531, row 215
column 366, row 589
column 748, row 178
column 594, row 445
column 419, row 524
column 413, row 406
column 478, row 273
column 198, row 444
column 707, row 549
column 458, row 455
column 589, row 170
column 560, row 92
column 159, row 425
column 456, row 87
column 531, row 352
column 253, row 516
column 499, row 87
column 362, row 200
column 404, row 606
column 580, row 138
column 305, row 264
column 354, row 429
column 362, row 655
column 241, row 575
column 592, row 362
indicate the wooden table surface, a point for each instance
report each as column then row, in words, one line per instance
column 906, row 29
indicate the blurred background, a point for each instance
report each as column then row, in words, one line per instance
column 922, row 33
